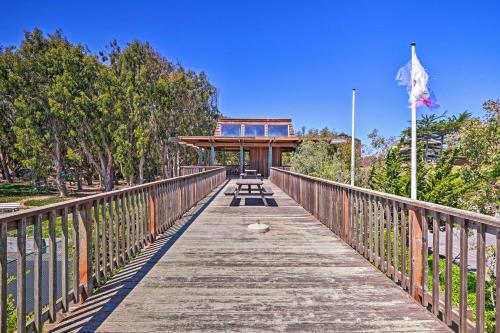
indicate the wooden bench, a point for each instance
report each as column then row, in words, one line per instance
column 230, row 190
column 9, row 206
column 267, row 191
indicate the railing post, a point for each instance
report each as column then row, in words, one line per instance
column 416, row 253
column 212, row 155
column 345, row 214
column 152, row 211
column 85, row 242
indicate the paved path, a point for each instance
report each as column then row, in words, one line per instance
column 218, row 277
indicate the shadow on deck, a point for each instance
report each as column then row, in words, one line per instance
column 219, row 277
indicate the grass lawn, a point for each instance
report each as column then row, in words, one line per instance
column 23, row 189
column 43, row 202
column 17, row 192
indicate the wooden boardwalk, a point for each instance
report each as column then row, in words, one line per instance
column 217, row 276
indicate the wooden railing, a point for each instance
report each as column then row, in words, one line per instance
column 98, row 233
column 393, row 233
column 191, row 169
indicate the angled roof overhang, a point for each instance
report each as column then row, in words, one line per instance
column 234, row 142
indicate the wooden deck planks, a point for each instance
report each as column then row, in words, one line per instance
column 298, row 277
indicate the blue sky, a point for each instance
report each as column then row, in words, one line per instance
column 298, row 59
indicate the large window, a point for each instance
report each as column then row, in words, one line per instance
column 230, row 130
column 254, row 130
column 278, row 130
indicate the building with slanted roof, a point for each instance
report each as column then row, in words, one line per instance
column 262, row 140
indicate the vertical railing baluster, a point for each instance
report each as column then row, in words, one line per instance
column 127, row 228
column 381, row 234
column 388, row 238
column 64, row 259
column 366, row 217
column 464, row 248
column 85, row 240
column 104, row 240
column 52, row 266
column 111, row 235
column 480, row 278
column 117, row 229
column 371, row 227
column 448, row 288
column 144, row 215
column 435, row 263
column 425, row 255
column 152, row 213
column 3, row 277
column 376, row 224
column 37, row 277
column 138, row 220
column 97, row 260
column 123, row 230
column 395, row 246
column 404, row 242
column 411, row 240
column 21, row 276
column 76, row 255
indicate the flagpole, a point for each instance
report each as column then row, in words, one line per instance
column 413, row 131
column 353, row 146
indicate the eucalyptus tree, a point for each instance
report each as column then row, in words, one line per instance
column 7, row 110
column 96, row 118
column 40, row 70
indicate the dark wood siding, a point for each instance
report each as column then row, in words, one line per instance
column 258, row 160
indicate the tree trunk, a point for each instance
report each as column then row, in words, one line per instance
column 200, row 156
column 165, row 162
column 89, row 179
column 56, row 159
column 141, row 170
column 79, row 184
column 177, row 163
column 108, row 181
column 104, row 165
column 5, row 168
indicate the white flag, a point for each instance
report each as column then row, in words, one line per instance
column 416, row 82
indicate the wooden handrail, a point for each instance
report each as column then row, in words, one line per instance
column 190, row 169
column 99, row 232
column 466, row 214
column 392, row 232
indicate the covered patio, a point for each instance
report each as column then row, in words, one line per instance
column 259, row 143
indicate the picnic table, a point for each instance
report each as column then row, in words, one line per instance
column 262, row 190
column 250, row 173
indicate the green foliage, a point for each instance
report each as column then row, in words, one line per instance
column 478, row 143
column 466, row 172
column 70, row 112
column 471, row 291
column 317, row 159
column 390, row 174
column 17, row 189
column 443, row 183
